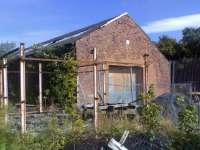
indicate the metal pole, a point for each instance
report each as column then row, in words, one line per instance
column 22, row 89
column 40, row 87
column 173, row 73
column 95, row 91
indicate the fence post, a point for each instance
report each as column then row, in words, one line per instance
column 22, row 88
column 173, row 73
column 40, row 87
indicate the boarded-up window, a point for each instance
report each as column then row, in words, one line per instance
column 124, row 84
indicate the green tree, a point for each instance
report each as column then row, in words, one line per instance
column 191, row 42
column 187, row 47
column 169, row 47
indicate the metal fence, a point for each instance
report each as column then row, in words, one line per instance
column 186, row 71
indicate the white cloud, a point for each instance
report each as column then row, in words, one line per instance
column 172, row 24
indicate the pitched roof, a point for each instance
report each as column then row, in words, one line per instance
column 70, row 37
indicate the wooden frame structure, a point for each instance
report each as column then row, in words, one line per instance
column 22, row 59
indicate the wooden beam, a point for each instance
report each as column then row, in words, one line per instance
column 40, row 88
column 22, row 88
column 82, row 63
column 43, row 59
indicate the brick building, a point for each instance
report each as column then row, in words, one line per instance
column 121, row 47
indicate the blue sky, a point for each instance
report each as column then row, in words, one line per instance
column 33, row 21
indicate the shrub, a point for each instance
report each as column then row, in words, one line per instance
column 147, row 96
column 188, row 119
column 151, row 116
column 185, row 141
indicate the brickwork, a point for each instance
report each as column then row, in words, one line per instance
column 123, row 42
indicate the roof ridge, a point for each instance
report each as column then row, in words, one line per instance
column 115, row 18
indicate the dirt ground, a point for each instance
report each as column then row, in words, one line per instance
column 136, row 142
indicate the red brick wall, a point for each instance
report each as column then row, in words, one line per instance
column 110, row 42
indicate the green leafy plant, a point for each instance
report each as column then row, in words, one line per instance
column 180, row 99
column 188, row 119
column 151, row 116
column 60, row 84
column 149, row 95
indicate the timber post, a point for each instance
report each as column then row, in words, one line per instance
column 95, row 90
column 104, row 83
column 1, row 88
column 5, row 82
column 40, row 88
column 22, row 88
column 5, row 88
column 145, row 74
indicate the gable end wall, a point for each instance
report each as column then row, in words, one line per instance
column 110, row 42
